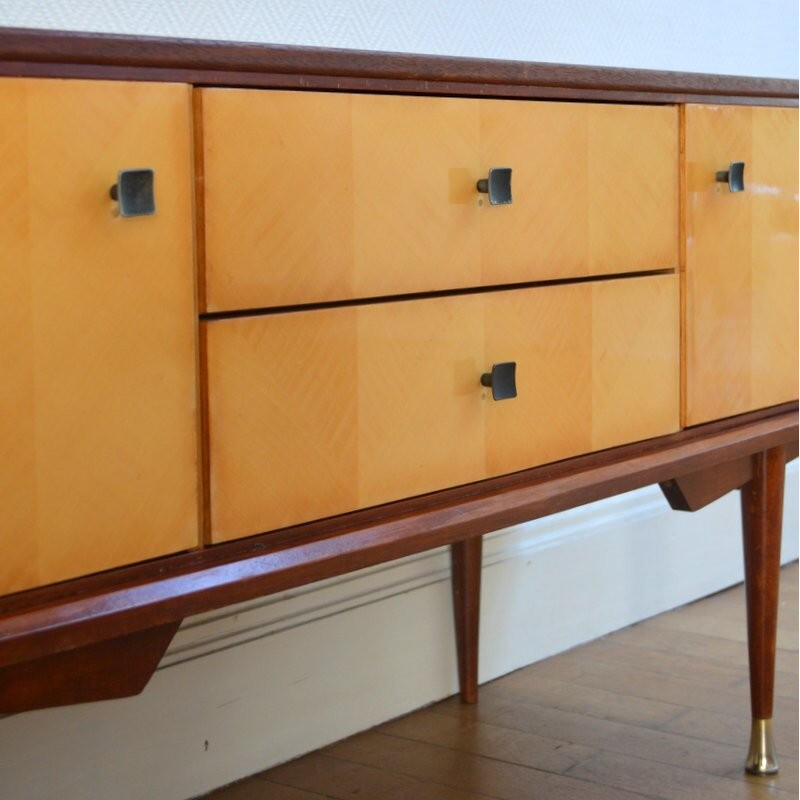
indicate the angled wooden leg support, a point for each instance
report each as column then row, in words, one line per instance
column 762, row 517
column 466, row 559
column 109, row 669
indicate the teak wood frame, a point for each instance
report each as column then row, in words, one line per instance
column 102, row 636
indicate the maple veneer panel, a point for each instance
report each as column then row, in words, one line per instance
column 283, row 419
column 420, row 405
column 597, row 366
column 98, row 460
column 595, row 190
column 548, row 333
column 312, row 197
column 741, row 313
column 315, row 413
column 416, row 219
column 774, row 271
column 635, row 359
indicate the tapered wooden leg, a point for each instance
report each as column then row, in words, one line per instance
column 762, row 516
column 466, row 559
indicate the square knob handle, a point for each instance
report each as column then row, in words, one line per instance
column 134, row 192
column 502, row 380
column 497, row 186
column 733, row 176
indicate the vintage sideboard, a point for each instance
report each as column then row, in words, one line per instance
column 273, row 314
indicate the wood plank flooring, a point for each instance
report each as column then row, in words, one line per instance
column 657, row 710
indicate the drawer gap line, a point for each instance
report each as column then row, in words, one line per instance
column 211, row 316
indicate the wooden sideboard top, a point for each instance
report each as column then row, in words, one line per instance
column 219, row 63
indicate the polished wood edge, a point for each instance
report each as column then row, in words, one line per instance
column 96, row 55
column 175, row 587
column 105, row 670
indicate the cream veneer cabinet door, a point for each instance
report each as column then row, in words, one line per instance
column 312, row 197
column 98, row 412
column 741, row 315
column 318, row 412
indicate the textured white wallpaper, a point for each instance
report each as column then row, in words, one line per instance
column 739, row 37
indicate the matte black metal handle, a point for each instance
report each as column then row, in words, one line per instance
column 497, row 186
column 134, row 191
column 733, row 176
column 502, row 380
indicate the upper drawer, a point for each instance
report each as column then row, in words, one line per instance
column 741, row 306
column 318, row 412
column 315, row 197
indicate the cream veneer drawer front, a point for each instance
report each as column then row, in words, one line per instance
column 313, row 197
column 315, row 413
column 98, row 444
column 741, row 261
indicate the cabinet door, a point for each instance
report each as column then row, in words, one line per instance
column 97, row 330
column 741, row 261
column 315, row 413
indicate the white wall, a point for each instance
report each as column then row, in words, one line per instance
column 737, row 37
column 248, row 687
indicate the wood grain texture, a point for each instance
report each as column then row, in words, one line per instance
column 67, row 53
column 290, row 386
column 595, row 190
column 741, row 261
column 315, row 413
column 334, row 196
column 635, row 359
column 97, row 324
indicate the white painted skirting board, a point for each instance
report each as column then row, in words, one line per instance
column 254, row 685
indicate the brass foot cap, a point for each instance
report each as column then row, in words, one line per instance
column 761, row 759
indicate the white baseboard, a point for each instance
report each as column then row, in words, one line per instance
column 254, row 685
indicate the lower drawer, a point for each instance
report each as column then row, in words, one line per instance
column 315, row 413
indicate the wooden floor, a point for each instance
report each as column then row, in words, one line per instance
column 657, row 710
